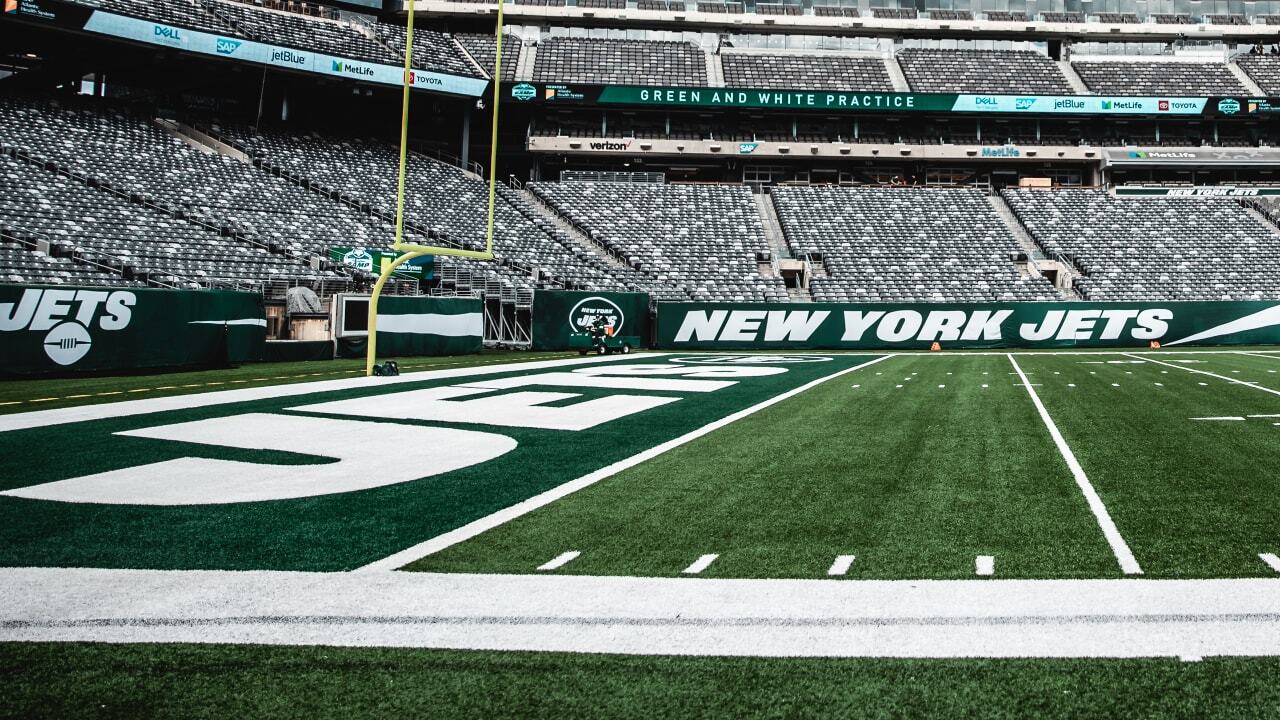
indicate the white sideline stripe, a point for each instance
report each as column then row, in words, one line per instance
column 1225, row 417
column 837, row 617
column 1265, row 416
column 841, row 565
column 475, row 527
column 83, row 413
column 702, row 563
column 1271, row 560
column 1229, row 379
column 1119, row 547
column 984, row 565
column 559, row 560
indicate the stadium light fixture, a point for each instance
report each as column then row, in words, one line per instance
column 409, row 251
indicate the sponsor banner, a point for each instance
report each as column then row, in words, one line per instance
column 155, row 33
column 421, row 325
column 1197, row 191
column 58, row 329
column 1200, row 156
column 829, row 101
column 53, row 11
column 689, row 326
column 373, row 260
column 557, row 314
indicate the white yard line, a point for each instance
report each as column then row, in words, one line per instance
column 474, row 528
column 1119, row 547
column 702, row 563
column 1259, row 354
column 559, row 560
column 1236, row 381
column 986, row 617
column 841, row 565
column 1271, row 560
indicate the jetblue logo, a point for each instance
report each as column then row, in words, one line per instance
column 289, row 57
column 227, row 47
column 168, row 33
column 1068, row 104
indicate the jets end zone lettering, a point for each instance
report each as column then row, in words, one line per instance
column 47, row 329
column 686, row 325
column 414, row 456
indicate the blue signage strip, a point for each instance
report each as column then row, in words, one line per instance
column 194, row 41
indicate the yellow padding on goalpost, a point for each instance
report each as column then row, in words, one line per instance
column 413, row 250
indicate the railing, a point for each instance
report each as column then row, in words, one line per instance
column 606, row 176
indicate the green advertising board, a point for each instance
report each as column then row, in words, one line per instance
column 421, row 325
column 557, row 314
column 373, row 260
column 59, row 329
column 710, row 326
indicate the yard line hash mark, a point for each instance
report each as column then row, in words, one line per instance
column 559, row 560
column 841, row 565
column 1245, row 383
column 700, row 564
column 984, row 565
column 1271, row 560
column 1119, row 547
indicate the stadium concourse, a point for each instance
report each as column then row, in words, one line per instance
column 833, row 359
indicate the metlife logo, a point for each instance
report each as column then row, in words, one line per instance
column 346, row 68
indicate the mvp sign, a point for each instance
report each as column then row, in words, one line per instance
column 829, row 326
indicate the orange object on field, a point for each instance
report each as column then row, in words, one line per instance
column 935, row 347
column 1155, row 344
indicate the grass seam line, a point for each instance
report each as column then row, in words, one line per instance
column 488, row 522
column 1128, row 564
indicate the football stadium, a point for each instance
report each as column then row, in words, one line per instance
column 640, row 358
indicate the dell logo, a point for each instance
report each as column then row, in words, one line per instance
column 164, row 31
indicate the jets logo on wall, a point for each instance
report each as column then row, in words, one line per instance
column 358, row 258
column 68, row 315
column 585, row 313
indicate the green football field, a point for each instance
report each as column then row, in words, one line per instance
column 955, row 534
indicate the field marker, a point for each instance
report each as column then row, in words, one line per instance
column 1159, row 384
column 12, row 402
column 1119, row 547
column 1271, row 560
column 897, row 386
column 841, row 565
column 942, row 386
column 1115, row 384
column 1245, row 383
column 1071, row 384
column 1227, row 417
column 984, row 385
column 559, row 560
column 488, row 522
column 985, row 565
column 857, row 386
column 700, row 564
column 1264, row 416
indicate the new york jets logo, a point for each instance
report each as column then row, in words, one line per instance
column 584, row 314
column 68, row 315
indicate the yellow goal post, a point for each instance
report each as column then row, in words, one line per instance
column 410, row 251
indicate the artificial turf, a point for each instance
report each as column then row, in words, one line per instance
column 217, row 681
column 919, row 469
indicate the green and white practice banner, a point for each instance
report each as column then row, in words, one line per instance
column 59, row 329
column 557, row 314
column 706, row 326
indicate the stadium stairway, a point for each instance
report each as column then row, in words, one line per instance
column 896, row 75
column 1034, row 251
column 715, row 70
column 780, row 250
column 524, row 64
column 1262, row 219
column 1068, row 72
column 1245, row 80
column 573, row 232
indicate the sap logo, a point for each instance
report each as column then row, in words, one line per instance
column 584, row 315
column 226, row 46
column 982, row 101
column 608, row 145
column 1001, row 152
column 68, row 340
column 747, row 148
column 1068, row 104
column 167, row 33
column 345, row 67
column 1024, row 103
column 524, row 91
column 1229, row 106
column 289, row 57
column 745, row 325
column 1163, row 105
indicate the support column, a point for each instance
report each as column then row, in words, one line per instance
column 466, row 139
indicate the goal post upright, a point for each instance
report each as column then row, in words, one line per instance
column 410, row 251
